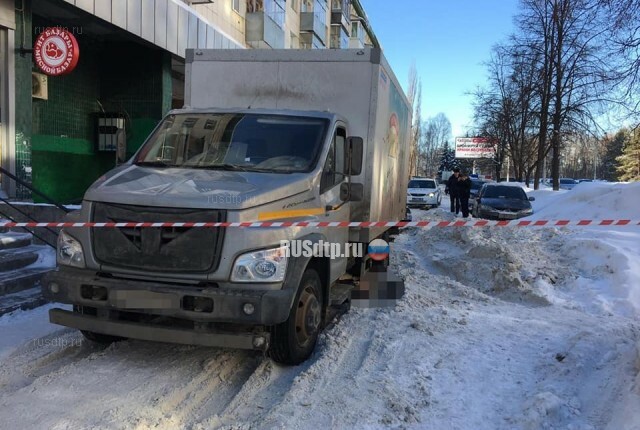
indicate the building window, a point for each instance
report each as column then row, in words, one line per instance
column 255, row 6
column 341, row 5
column 235, row 5
column 294, row 42
column 357, row 32
column 318, row 7
column 339, row 38
column 309, row 40
column 320, row 12
column 294, row 5
column 275, row 9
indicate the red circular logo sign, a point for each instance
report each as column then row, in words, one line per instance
column 56, row 51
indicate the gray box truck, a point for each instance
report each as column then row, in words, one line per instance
column 266, row 135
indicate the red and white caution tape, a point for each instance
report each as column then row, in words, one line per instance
column 263, row 224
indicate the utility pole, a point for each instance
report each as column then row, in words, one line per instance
column 508, row 167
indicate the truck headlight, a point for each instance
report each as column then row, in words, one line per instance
column 269, row 265
column 69, row 252
column 432, row 194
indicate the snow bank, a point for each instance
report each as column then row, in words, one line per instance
column 589, row 200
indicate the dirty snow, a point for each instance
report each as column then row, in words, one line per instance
column 500, row 328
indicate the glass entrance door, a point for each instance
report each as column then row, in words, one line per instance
column 5, row 113
column 3, row 103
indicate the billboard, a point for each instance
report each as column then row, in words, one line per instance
column 475, row 147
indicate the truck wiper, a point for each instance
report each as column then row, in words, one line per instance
column 152, row 164
column 231, row 167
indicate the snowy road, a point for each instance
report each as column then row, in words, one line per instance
column 534, row 328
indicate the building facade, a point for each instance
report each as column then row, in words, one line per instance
column 62, row 132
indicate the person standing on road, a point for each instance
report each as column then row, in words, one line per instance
column 464, row 192
column 452, row 189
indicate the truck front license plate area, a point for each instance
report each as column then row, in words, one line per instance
column 136, row 299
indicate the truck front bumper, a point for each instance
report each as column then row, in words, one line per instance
column 186, row 302
column 136, row 330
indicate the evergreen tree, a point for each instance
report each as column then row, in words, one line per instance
column 629, row 161
column 448, row 160
column 609, row 166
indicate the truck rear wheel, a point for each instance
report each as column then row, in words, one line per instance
column 293, row 341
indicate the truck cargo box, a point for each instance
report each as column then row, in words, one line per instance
column 357, row 84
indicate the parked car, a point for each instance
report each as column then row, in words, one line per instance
column 476, row 185
column 424, row 193
column 502, row 202
column 567, row 183
column 584, row 180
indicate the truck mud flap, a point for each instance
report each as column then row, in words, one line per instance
column 254, row 341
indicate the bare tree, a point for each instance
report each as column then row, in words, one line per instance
column 415, row 98
column 506, row 110
column 623, row 17
column 546, row 83
column 436, row 132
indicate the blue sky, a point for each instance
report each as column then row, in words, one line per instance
column 448, row 40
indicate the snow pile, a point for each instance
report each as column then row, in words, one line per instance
column 589, row 200
column 498, row 262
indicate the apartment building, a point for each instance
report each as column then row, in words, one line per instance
column 290, row 24
column 62, row 127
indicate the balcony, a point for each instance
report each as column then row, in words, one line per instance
column 309, row 40
column 340, row 19
column 339, row 37
column 340, row 13
column 357, row 39
column 313, row 23
column 261, row 31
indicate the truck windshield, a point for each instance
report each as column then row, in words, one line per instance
column 232, row 141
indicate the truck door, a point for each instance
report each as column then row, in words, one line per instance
column 333, row 174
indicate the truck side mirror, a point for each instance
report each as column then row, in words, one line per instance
column 351, row 192
column 355, row 148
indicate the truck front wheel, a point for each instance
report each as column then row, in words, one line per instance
column 293, row 341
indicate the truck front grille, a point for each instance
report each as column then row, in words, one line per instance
column 166, row 249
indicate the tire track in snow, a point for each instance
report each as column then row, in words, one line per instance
column 213, row 382
column 273, row 388
column 42, row 356
column 253, row 397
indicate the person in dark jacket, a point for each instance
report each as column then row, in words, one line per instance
column 464, row 192
column 452, row 189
